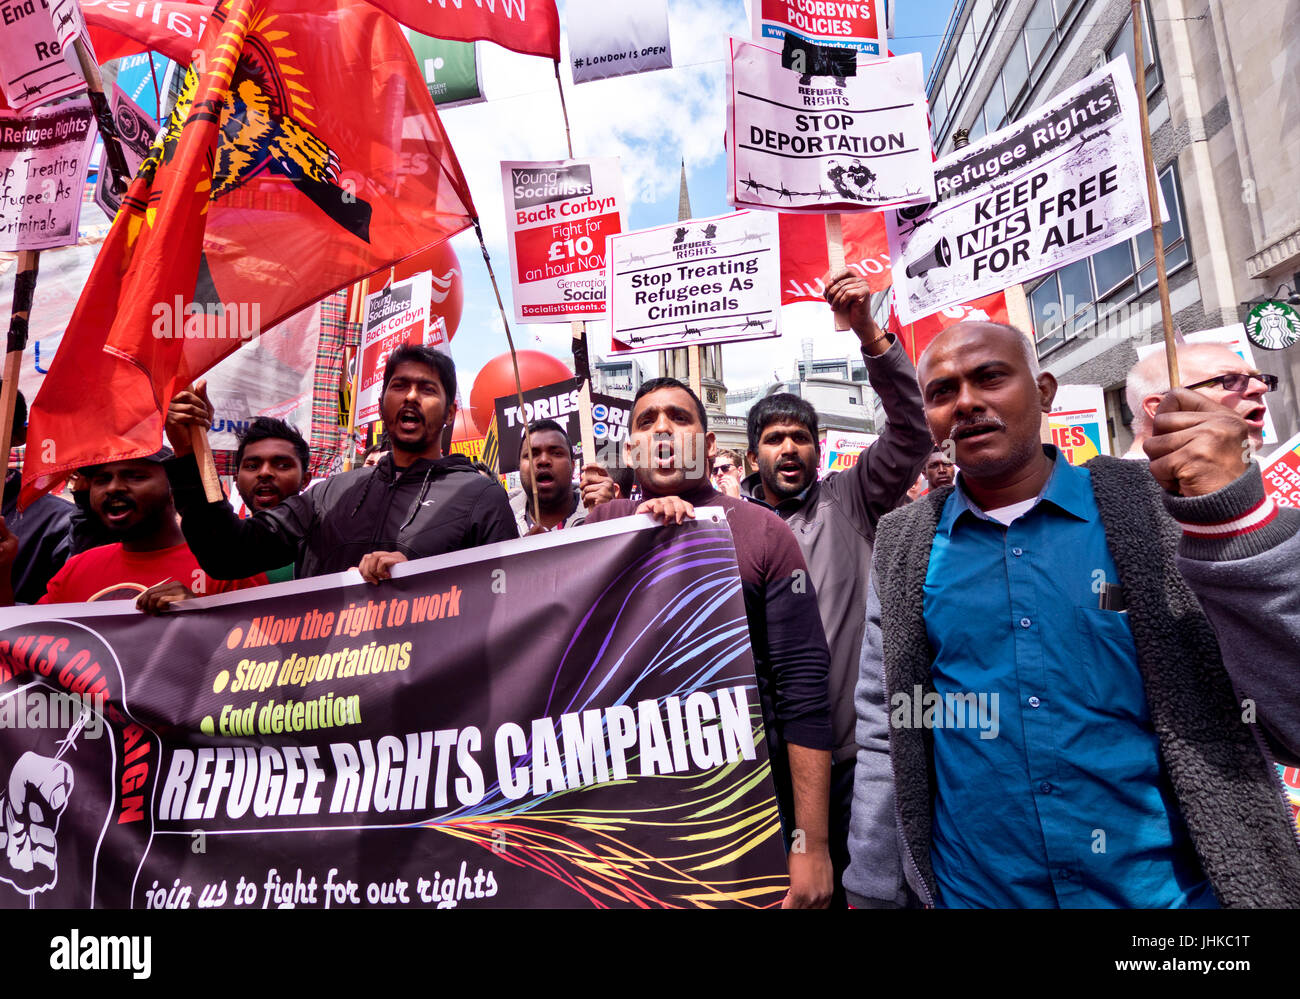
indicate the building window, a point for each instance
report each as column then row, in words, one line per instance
column 1015, row 74
column 1040, row 30
column 1122, row 44
column 1065, row 303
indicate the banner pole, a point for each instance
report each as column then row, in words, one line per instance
column 581, row 366
column 24, row 292
column 835, row 255
column 1153, row 195
column 514, row 360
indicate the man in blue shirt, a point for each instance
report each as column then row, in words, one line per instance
column 1059, row 729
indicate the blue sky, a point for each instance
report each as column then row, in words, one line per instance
column 651, row 121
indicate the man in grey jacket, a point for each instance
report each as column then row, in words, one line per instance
column 1118, row 771
column 834, row 519
column 1240, row 554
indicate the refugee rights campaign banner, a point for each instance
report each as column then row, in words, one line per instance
column 857, row 24
column 1052, row 188
column 43, row 162
column 560, row 402
column 615, row 39
column 558, row 215
column 825, row 143
column 713, row 280
column 468, row 734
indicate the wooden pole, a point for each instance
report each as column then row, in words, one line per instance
column 514, row 360
column 1153, row 195
column 579, row 328
column 362, row 289
column 104, row 116
column 24, row 292
column 835, row 254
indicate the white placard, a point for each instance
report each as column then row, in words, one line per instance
column 616, row 39
column 559, row 213
column 1052, row 188
column 714, row 280
column 826, row 144
column 43, row 160
column 35, row 67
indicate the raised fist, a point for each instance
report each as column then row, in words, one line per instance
column 31, row 804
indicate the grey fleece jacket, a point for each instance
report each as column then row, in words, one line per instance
column 1226, row 792
column 1246, row 575
column 834, row 522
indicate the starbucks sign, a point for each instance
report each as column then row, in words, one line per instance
column 1273, row 326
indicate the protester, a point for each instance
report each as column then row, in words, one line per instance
column 43, row 530
column 1106, row 764
column 1214, row 370
column 484, row 469
column 414, row 503
column 375, row 453
column 1240, row 554
column 272, row 463
column 668, row 446
column 939, row 469
column 728, row 470
column 550, row 468
column 834, row 519
column 150, row 562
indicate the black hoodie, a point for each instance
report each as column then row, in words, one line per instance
column 428, row 508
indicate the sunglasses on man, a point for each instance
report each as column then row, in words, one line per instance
column 1238, row 381
column 723, row 469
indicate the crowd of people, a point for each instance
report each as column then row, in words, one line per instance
column 1011, row 682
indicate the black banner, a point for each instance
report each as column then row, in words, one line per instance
column 570, row 720
column 560, row 402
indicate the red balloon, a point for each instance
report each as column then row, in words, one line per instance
column 448, row 288
column 465, row 429
column 497, row 378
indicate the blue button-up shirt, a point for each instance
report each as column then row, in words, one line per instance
column 1055, row 793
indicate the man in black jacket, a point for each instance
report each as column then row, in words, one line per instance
column 413, row 504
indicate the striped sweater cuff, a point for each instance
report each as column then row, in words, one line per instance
column 1236, row 522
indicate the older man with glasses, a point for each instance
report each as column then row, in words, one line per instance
column 1214, row 370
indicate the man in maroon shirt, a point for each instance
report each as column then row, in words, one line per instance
column 670, row 448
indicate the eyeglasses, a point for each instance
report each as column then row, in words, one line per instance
column 723, row 469
column 1238, row 381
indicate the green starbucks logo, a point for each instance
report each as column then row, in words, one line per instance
column 1273, row 326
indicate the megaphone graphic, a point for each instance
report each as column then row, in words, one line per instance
column 940, row 256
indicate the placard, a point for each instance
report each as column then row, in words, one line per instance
column 395, row 316
column 1052, row 188
column 559, row 213
column 135, row 132
column 822, row 143
column 1078, row 423
column 713, row 280
column 43, row 160
column 560, row 401
column 616, row 39
column 860, row 25
column 34, row 67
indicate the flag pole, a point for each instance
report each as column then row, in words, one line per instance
column 514, row 360
column 581, row 362
column 1153, row 196
column 24, row 292
column 362, row 289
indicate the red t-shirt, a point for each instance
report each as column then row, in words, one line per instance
column 112, row 573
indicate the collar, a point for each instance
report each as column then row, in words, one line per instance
column 527, row 498
column 751, row 488
column 1067, row 489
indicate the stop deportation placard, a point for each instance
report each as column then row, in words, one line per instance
column 559, row 213
column 823, row 144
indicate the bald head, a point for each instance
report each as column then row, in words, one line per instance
column 1008, row 333
column 1148, row 381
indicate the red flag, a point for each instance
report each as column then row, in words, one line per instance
column 804, row 260
column 528, row 26
column 305, row 155
column 172, row 27
column 919, row 335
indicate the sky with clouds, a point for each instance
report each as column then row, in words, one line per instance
column 651, row 121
